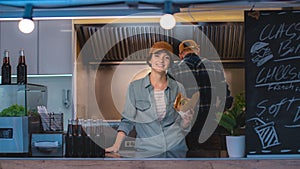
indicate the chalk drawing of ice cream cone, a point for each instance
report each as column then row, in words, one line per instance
column 266, row 133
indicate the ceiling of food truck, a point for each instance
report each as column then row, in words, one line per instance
column 73, row 8
column 47, row 3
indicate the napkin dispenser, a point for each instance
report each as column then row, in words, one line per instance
column 47, row 144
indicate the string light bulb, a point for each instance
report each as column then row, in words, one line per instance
column 26, row 25
column 167, row 21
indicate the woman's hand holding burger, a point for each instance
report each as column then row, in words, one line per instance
column 185, row 109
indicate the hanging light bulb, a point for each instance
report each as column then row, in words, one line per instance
column 167, row 21
column 26, row 25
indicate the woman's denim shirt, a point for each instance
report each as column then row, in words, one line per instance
column 140, row 112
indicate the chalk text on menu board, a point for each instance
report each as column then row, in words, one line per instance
column 283, row 76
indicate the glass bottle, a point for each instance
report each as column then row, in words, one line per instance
column 87, row 140
column 6, row 69
column 79, row 140
column 22, row 69
column 98, row 139
column 69, row 139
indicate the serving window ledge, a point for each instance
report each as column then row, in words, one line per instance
column 166, row 163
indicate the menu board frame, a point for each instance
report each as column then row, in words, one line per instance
column 272, row 69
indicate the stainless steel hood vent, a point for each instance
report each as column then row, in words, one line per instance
column 121, row 42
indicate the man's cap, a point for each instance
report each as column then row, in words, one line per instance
column 187, row 44
column 161, row 45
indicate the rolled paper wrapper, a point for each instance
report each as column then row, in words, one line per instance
column 191, row 103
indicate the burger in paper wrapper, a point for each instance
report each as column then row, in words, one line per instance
column 183, row 103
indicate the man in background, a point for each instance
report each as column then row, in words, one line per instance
column 197, row 73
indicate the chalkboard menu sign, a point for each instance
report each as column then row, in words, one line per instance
column 272, row 68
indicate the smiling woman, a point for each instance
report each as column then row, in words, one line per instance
column 149, row 109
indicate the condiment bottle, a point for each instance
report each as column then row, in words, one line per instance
column 6, row 69
column 22, row 69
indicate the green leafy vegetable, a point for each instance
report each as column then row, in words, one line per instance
column 13, row 111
